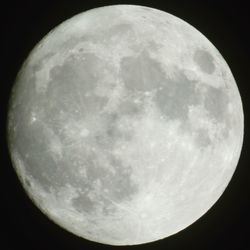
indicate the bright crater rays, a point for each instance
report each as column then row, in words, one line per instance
column 125, row 125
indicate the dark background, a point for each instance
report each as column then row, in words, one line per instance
column 226, row 25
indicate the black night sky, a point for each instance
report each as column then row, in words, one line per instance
column 226, row 25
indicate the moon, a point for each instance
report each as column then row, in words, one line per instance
column 125, row 125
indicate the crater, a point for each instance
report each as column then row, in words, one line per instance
column 204, row 60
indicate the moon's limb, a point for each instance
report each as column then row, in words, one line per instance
column 120, row 136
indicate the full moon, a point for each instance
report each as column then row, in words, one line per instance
column 125, row 125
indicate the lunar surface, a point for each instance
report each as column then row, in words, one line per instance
column 125, row 125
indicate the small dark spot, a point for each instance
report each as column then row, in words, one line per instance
column 202, row 138
column 111, row 132
column 204, row 60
